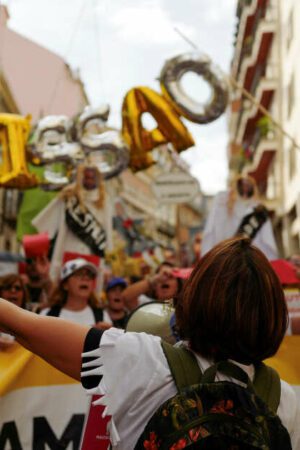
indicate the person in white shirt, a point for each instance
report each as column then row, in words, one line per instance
column 74, row 298
column 162, row 286
column 232, row 308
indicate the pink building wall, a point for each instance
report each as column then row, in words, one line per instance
column 33, row 74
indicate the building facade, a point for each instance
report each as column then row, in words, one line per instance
column 265, row 64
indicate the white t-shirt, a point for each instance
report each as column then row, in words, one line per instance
column 106, row 317
column 83, row 317
column 137, row 380
column 143, row 299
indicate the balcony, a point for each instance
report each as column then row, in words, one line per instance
column 251, row 13
column 249, row 40
column 242, row 4
column 263, row 156
column 259, row 73
column 253, row 154
column 245, row 14
column 257, row 51
column 264, row 89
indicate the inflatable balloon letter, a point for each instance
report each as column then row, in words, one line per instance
column 170, row 81
column 170, row 128
column 14, row 173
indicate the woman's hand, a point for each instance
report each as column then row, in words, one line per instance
column 163, row 276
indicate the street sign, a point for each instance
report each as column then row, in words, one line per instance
column 175, row 187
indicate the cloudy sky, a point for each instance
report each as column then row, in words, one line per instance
column 120, row 44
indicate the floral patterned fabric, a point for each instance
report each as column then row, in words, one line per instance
column 218, row 415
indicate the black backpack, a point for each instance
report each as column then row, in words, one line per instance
column 216, row 415
column 54, row 311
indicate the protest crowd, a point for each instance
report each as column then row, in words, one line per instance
column 205, row 306
column 136, row 311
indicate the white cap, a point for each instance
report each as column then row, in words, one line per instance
column 75, row 264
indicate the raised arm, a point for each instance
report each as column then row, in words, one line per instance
column 57, row 341
column 132, row 292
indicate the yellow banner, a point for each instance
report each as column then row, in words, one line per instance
column 20, row 368
column 43, row 408
column 287, row 361
column 40, row 406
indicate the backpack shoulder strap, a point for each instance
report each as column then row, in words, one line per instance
column 183, row 365
column 54, row 311
column 98, row 314
column 267, row 385
column 186, row 372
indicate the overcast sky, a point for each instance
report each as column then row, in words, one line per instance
column 120, row 44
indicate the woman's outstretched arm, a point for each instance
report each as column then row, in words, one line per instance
column 57, row 341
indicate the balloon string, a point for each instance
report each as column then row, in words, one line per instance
column 99, row 64
column 185, row 38
column 60, row 74
column 247, row 94
column 261, row 108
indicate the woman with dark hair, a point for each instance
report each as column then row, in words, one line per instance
column 232, row 308
column 13, row 289
column 162, row 286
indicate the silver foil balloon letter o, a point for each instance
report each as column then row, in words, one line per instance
column 170, row 79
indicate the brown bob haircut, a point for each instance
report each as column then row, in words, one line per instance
column 233, row 306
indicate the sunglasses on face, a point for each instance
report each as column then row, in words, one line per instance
column 84, row 273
